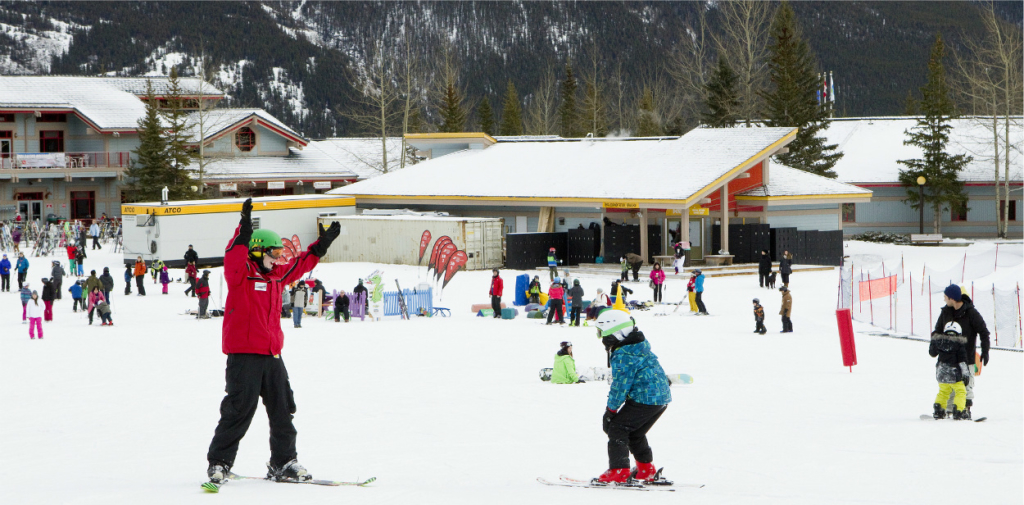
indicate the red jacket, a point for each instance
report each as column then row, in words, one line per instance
column 496, row 285
column 203, row 289
column 252, row 312
column 72, row 250
column 192, row 271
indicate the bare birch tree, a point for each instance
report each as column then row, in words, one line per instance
column 690, row 65
column 200, row 119
column 743, row 38
column 376, row 105
column 542, row 112
column 594, row 100
column 988, row 78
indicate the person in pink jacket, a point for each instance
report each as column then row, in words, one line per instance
column 165, row 278
column 95, row 297
column 34, row 309
column 658, row 281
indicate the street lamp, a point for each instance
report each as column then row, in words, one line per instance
column 920, row 186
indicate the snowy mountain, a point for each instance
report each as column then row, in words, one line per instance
column 302, row 61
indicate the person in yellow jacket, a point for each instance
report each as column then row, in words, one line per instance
column 565, row 366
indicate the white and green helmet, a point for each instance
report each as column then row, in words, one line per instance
column 614, row 322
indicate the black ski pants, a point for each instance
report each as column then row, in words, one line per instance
column 556, row 306
column 140, row 282
column 574, row 315
column 96, row 243
column 636, row 270
column 249, row 377
column 21, row 280
column 496, row 306
column 5, row 282
column 627, row 433
column 785, row 280
column 127, row 287
column 760, row 325
column 762, row 278
column 203, row 304
column 657, row 293
column 338, row 314
column 700, row 303
column 787, row 324
column 191, row 287
column 78, row 302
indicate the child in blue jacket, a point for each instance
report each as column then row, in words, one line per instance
column 639, row 396
column 5, row 274
column 76, row 296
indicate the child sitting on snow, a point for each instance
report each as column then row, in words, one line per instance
column 564, row 371
column 950, row 370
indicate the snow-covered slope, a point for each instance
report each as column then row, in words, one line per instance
column 450, row 410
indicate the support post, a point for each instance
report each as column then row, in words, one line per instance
column 603, row 215
column 725, row 217
column 684, row 225
column 643, row 234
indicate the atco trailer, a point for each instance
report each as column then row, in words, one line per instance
column 156, row 230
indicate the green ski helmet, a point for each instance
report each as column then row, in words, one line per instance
column 262, row 240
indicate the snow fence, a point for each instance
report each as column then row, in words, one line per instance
column 889, row 296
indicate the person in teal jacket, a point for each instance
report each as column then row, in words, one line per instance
column 565, row 366
column 638, row 397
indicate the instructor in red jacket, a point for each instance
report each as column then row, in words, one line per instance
column 252, row 339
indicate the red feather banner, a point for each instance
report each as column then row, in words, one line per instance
column 442, row 258
column 457, row 261
column 424, row 242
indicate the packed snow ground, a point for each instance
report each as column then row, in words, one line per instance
column 451, row 410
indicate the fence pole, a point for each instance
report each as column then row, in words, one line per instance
column 929, row 299
column 1020, row 329
column 972, row 289
column 963, row 271
column 995, row 320
column 911, row 303
column 860, row 299
column 871, row 301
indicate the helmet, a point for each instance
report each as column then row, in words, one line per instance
column 576, row 282
column 952, row 329
column 756, row 300
column 552, row 249
column 558, row 280
column 697, row 271
column 264, row 239
column 615, row 323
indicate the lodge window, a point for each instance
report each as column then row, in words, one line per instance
column 83, row 204
column 52, row 118
column 245, row 139
column 5, row 143
column 51, row 141
column 1012, row 211
column 958, row 213
column 849, row 213
column 6, row 118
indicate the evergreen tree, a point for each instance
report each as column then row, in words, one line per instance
column 568, row 111
column 943, row 187
column 146, row 172
column 648, row 124
column 511, row 112
column 792, row 99
column 910, row 107
column 722, row 105
column 453, row 113
column 486, row 116
column 178, row 135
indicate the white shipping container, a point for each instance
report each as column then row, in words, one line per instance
column 154, row 230
column 396, row 240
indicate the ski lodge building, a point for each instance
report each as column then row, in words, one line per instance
column 719, row 181
column 871, row 148
column 65, row 143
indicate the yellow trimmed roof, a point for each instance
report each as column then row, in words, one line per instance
column 663, row 171
column 235, row 205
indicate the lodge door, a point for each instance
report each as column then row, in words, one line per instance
column 31, row 209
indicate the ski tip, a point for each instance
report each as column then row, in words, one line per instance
column 980, row 419
column 368, row 481
column 210, row 487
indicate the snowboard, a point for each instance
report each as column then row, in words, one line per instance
column 675, row 379
column 928, row 417
column 589, row 374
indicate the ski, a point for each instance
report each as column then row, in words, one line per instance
column 619, row 487
column 213, row 487
column 401, row 302
column 660, row 482
column 928, row 417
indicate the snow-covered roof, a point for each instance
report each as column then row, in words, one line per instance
column 871, row 147
column 95, row 99
column 786, row 181
column 312, row 162
column 161, row 85
column 108, row 103
column 666, row 170
column 362, row 155
column 221, row 121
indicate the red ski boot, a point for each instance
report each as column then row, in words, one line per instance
column 613, row 476
column 644, row 472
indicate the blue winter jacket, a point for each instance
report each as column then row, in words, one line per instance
column 128, row 276
column 637, row 376
column 26, row 295
column 699, row 285
column 5, row 266
column 22, row 265
column 76, row 291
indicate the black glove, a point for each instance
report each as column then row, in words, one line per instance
column 324, row 239
column 581, row 381
column 984, row 357
column 245, row 224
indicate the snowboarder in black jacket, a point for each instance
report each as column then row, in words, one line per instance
column 764, row 268
column 960, row 309
column 191, row 256
column 615, row 290
column 950, row 370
